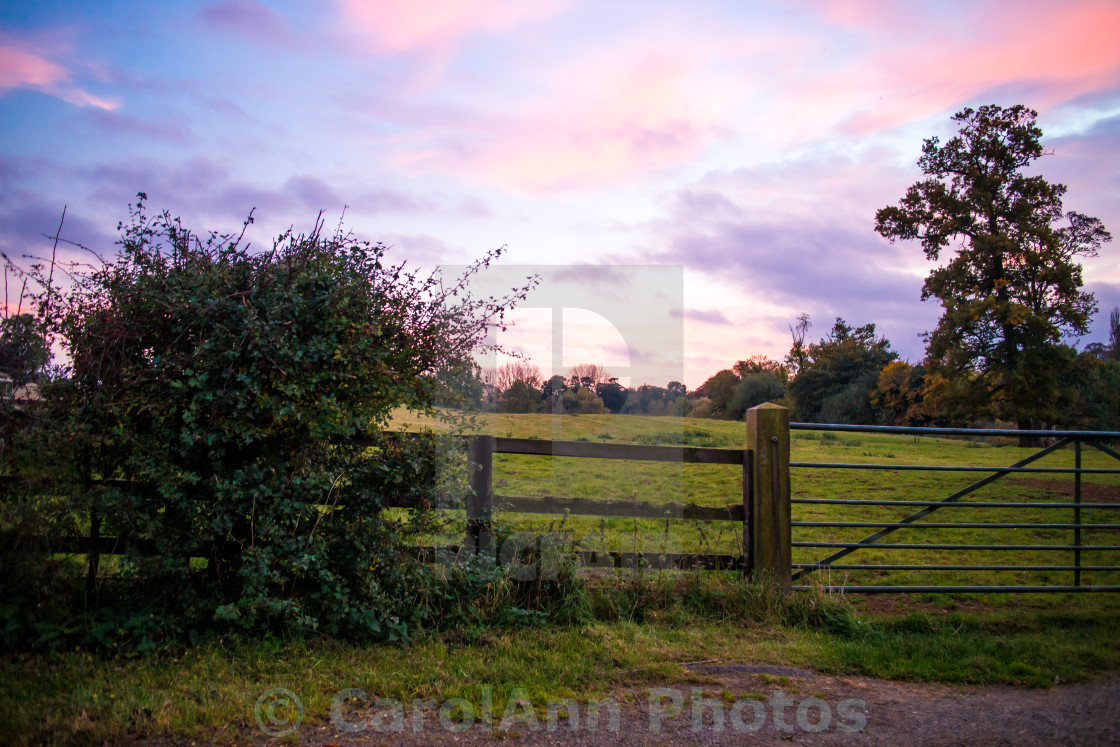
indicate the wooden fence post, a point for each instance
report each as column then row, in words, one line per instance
column 766, row 494
column 480, row 502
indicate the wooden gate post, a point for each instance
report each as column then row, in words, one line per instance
column 480, row 502
column 766, row 493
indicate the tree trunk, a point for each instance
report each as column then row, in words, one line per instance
column 1033, row 424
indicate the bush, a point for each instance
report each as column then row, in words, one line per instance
column 582, row 401
column 225, row 392
column 754, row 390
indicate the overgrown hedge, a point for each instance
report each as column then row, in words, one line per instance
column 222, row 388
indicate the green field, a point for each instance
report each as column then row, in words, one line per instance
column 638, row 629
column 718, row 485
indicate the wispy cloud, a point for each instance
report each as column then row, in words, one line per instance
column 712, row 316
column 174, row 131
column 246, row 18
column 22, row 69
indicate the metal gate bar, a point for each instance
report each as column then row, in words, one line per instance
column 850, row 548
column 1066, row 438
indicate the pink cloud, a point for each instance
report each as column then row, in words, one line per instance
column 393, row 26
column 20, row 69
column 601, row 113
column 851, row 14
column 1048, row 54
column 603, row 120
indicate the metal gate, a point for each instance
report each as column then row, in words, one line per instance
column 1069, row 516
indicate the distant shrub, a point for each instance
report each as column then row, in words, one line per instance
column 701, row 408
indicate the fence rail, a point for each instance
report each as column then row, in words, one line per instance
column 765, row 510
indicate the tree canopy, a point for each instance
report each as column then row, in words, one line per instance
column 1011, row 291
column 838, row 374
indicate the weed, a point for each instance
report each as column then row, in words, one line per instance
column 687, row 436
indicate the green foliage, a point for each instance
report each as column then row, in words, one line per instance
column 654, row 400
column 582, row 401
column 551, row 392
column 24, row 352
column 837, row 375
column 755, row 389
column 720, row 389
column 1098, row 401
column 1011, row 291
column 223, row 390
column 460, row 387
column 612, row 393
column 897, row 397
column 520, row 397
column 701, row 408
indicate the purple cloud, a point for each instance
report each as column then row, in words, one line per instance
column 714, row 316
column 611, row 277
column 394, row 201
column 825, row 265
column 246, row 18
column 170, row 130
column 417, row 250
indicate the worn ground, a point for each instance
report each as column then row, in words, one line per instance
column 813, row 708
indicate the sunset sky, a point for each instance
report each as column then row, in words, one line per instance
column 748, row 143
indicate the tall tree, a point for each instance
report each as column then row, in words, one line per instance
column 837, row 375
column 505, row 375
column 521, row 396
column 898, row 395
column 551, row 393
column 588, row 375
column 1114, row 335
column 720, row 389
column 612, row 393
column 1011, row 291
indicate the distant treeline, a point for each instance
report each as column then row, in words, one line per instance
column 851, row 375
column 588, row 389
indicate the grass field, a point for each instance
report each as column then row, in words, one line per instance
column 643, row 627
column 716, row 485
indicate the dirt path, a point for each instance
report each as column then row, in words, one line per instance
column 769, row 705
column 1090, row 492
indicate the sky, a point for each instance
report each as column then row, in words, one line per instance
column 686, row 178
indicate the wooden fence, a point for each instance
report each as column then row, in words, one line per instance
column 764, row 511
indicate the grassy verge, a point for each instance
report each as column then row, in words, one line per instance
column 643, row 633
